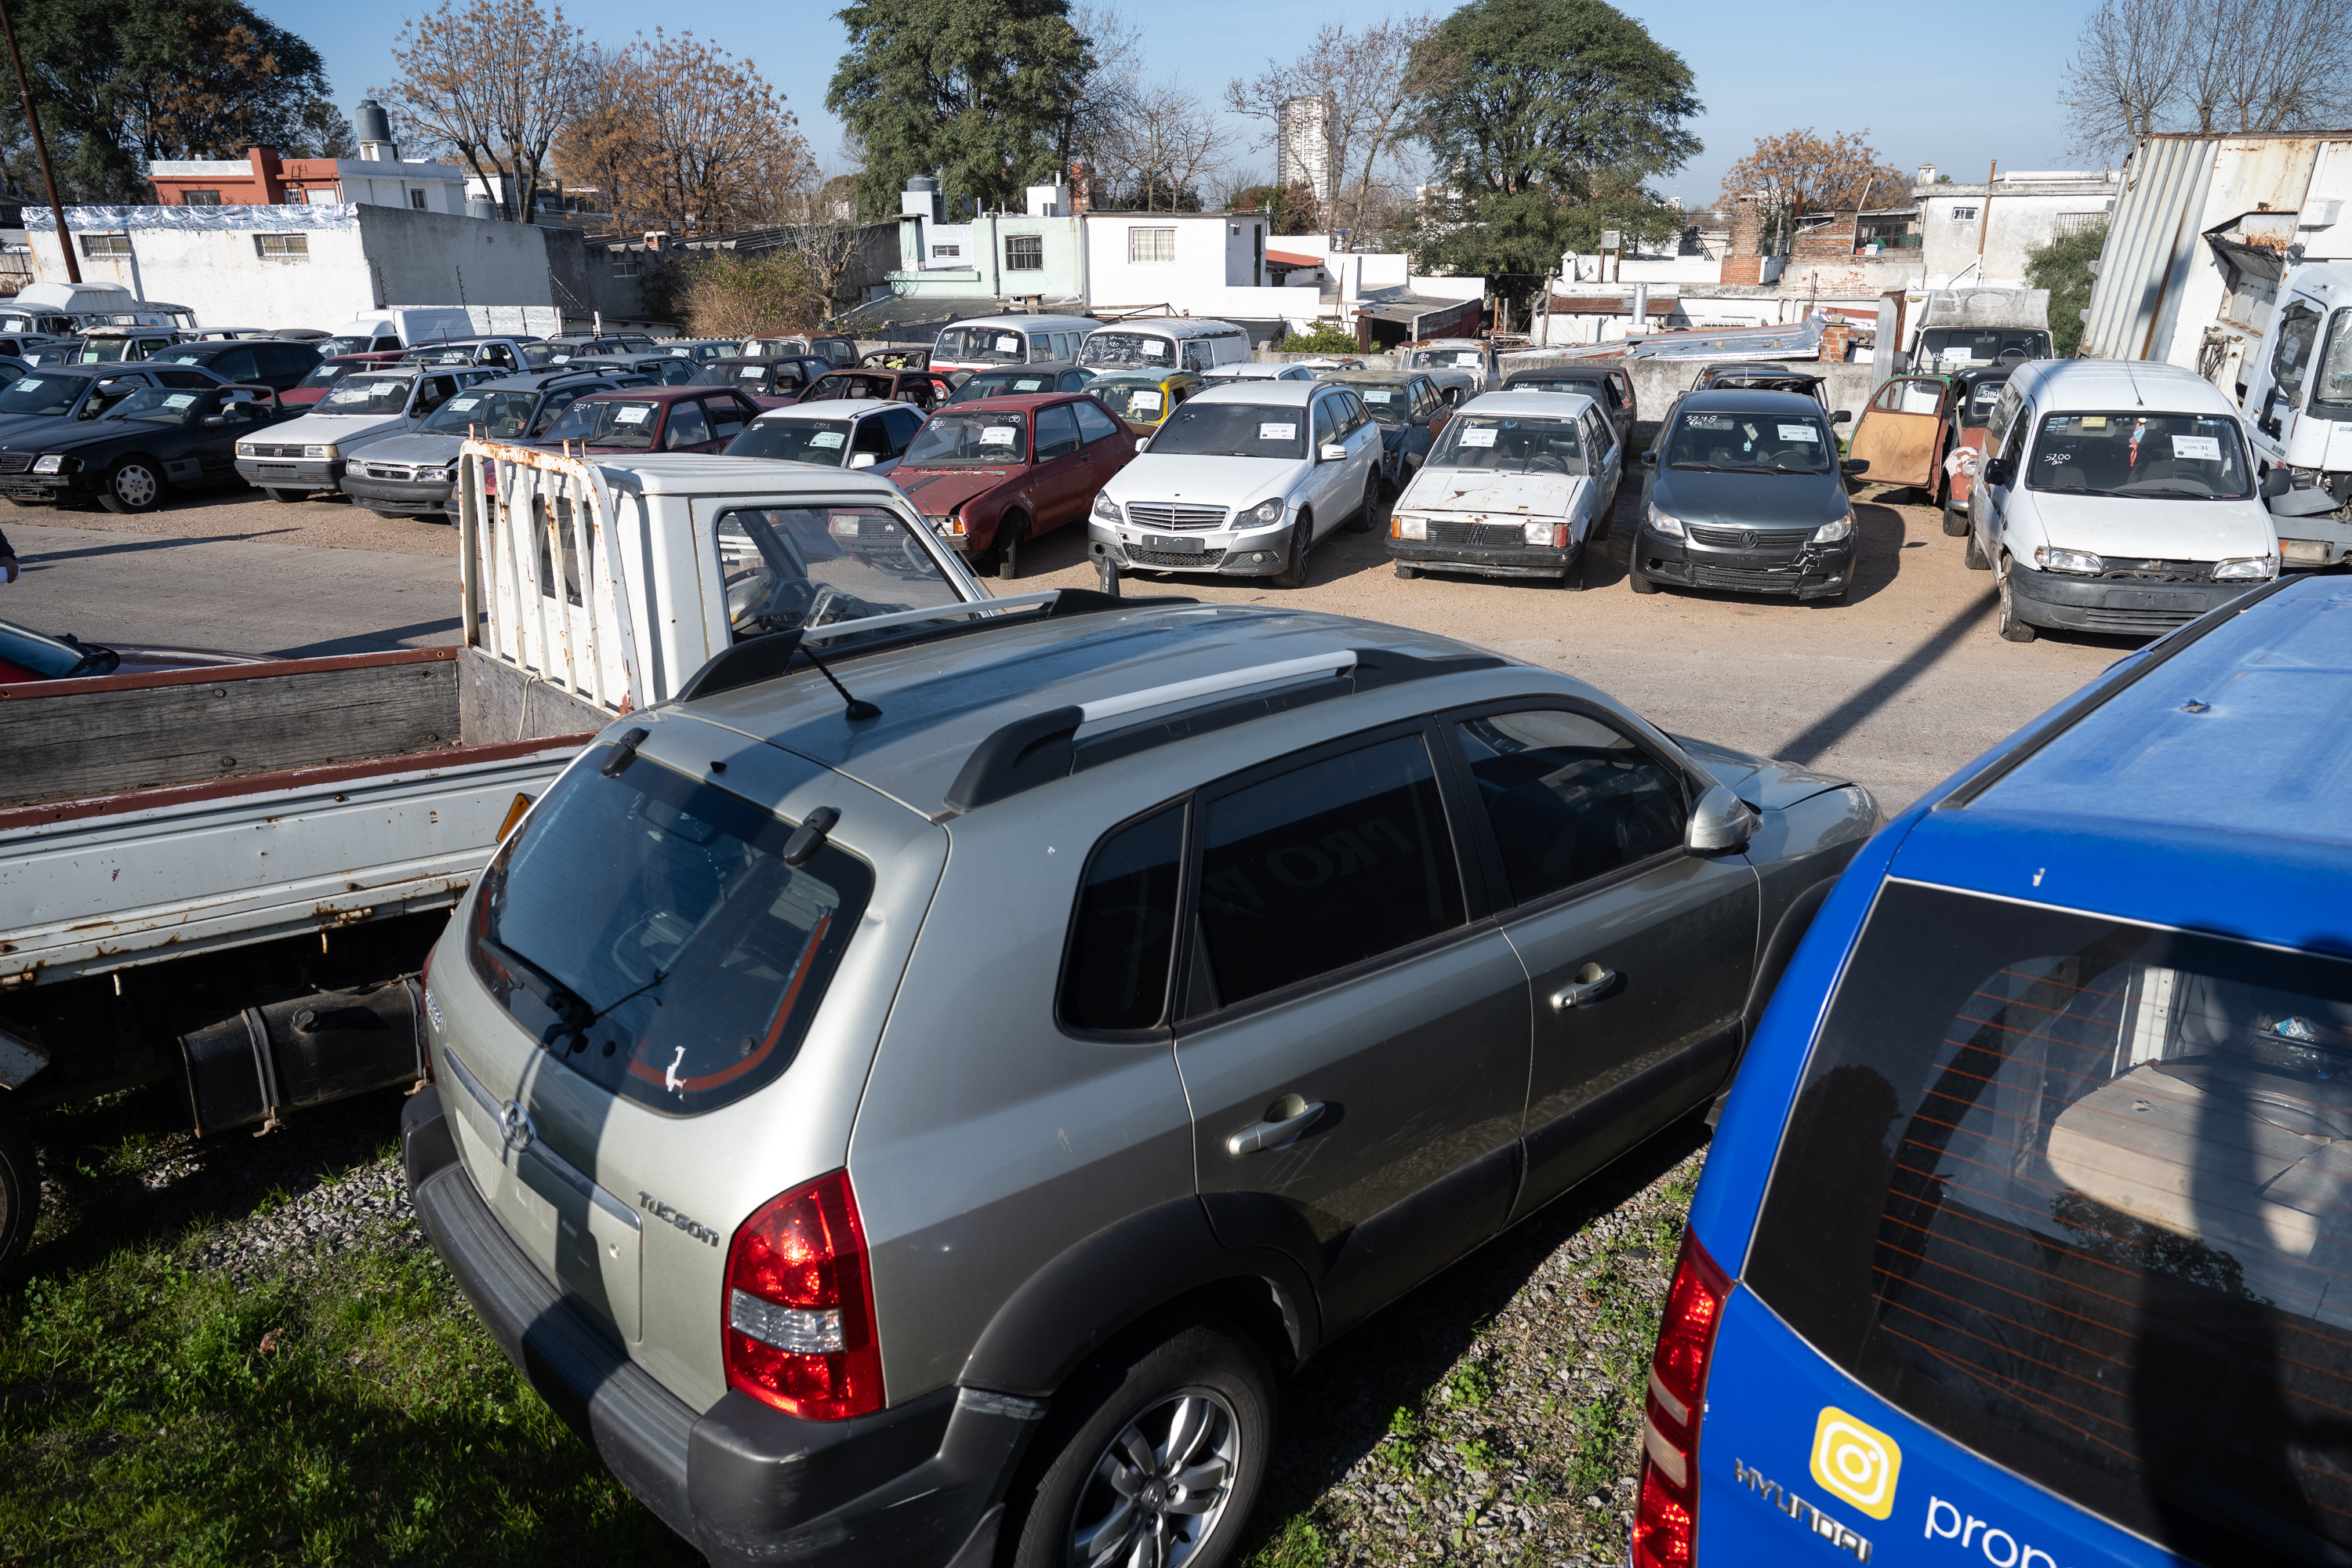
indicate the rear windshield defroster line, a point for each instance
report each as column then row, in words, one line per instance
column 646, row 930
column 2077, row 1193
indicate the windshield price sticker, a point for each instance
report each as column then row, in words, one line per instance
column 1800, row 433
column 633, row 415
column 1377, row 394
column 1008, row 345
column 2200, row 449
column 181, row 399
column 1706, row 421
column 462, row 403
column 827, row 438
column 1475, row 438
column 1153, row 348
column 1278, row 432
column 1145, row 402
column 2093, row 422
column 349, row 394
column 997, row 435
column 1027, row 384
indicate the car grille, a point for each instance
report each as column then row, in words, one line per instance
column 2158, row 572
column 388, row 470
column 2137, row 622
column 15, row 462
column 261, row 449
column 1481, row 533
column 1175, row 559
column 1174, row 514
column 1747, row 582
column 1749, row 538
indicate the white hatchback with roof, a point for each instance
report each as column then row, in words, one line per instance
column 2122, row 500
column 850, row 433
column 1241, row 481
column 1518, row 485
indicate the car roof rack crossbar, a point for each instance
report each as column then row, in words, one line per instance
column 1043, row 747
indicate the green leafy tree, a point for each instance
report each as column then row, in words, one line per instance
column 978, row 91
column 2064, row 267
column 1325, row 339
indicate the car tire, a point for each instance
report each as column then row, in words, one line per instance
column 1637, row 581
column 2013, row 627
column 1956, row 523
column 1008, row 535
column 133, row 485
column 1299, row 561
column 1200, row 1404
column 1360, row 519
column 287, row 495
column 1973, row 556
column 20, row 1194
column 1573, row 579
column 1407, row 571
column 402, row 516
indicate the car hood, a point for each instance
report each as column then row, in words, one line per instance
column 1762, row 783
column 2150, row 528
column 19, row 431
column 1484, row 490
column 1233, row 482
column 416, row 446
column 320, row 429
column 1752, row 500
column 938, row 491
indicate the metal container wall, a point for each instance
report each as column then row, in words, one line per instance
column 2150, row 243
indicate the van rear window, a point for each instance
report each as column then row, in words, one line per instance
column 646, row 930
column 2078, row 1194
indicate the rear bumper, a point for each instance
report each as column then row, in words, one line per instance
column 921, row 1483
column 2097, row 604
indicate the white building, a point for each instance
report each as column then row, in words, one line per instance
column 1981, row 233
column 1302, row 145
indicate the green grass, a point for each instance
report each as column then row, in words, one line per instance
column 156, row 1413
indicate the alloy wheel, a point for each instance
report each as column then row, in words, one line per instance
column 135, row 485
column 1161, row 1487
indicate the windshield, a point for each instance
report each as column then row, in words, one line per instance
column 498, row 414
column 646, row 930
column 110, row 351
column 156, row 406
column 1390, row 403
column 368, row 394
column 1108, row 347
column 1232, row 430
column 454, row 354
column 821, row 441
column 1515, row 445
column 1142, row 403
column 1002, row 383
column 1750, row 444
column 187, row 353
column 983, row 345
column 1428, row 359
column 2331, row 397
column 783, row 568
column 1981, row 345
column 2070, row 1190
column 608, row 422
column 1539, row 381
column 44, row 657
column 547, row 356
column 991, row 437
column 346, row 345
column 40, row 393
column 2179, row 457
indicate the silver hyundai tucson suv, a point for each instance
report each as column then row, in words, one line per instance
column 912, row 1108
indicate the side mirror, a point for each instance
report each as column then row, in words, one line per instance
column 863, row 460
column 216, row 419
column 2001, row 471
column 1718, row 823
column 1335, row 452
column 1141, row 442
column 1853, row 466
column 1842, row 417
column 1649, row 457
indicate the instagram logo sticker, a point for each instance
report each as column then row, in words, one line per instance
column 1856, row 1462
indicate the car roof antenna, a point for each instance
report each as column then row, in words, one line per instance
column 857, row 707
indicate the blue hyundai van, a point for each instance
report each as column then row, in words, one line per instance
column 2026, row 1236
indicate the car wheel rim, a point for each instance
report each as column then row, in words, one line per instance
column 1160, row 1487
column 135, row 485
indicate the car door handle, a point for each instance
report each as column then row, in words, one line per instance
column 1591, row 982
column 1266, row 1135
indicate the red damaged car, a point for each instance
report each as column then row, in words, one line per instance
column 992, row 475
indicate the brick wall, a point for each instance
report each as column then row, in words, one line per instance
column 1836, row 337
column 1825, row 241
column 1744, row 261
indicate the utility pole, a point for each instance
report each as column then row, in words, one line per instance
column 40, row 146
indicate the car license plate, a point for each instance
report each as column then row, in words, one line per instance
column 275, row 470
column 1173, row 546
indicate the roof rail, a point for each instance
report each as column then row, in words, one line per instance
column 1043, row 747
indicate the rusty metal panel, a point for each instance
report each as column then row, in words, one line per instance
column 2148, row 242
column 177, row 872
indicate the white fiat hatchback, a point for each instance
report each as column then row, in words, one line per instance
column 1241, row 481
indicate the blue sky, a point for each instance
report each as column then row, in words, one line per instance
column 1957, row 87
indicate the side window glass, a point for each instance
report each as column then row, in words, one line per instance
column 1570, row 798
column 727, row 417
column 1093, row 423
column 903, row 422
column 872, row 437
column 557, row 402
column 1322, row 866
column 2021, row 422
column 687, row 427
column 1326, row 426
column 2298, row 330
column 1123, row 931
column 1057, row 432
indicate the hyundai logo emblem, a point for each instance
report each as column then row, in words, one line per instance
column 514, row 1126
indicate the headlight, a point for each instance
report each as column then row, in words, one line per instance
column 1541, row 533
column 952, row 524
column 2244, row 569
column 326, row 451
column 1108, row 510
column 1265, row 514
column 244, row 448
column 50, row 463
column 1408, row 527
column 1660, row 522
column 1831, row 532
column 2081, row 563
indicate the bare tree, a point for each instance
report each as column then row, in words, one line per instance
column 495, row 83
column 1164, row 146
column 1367, row 80
column 2263, row 66
column 1100, row 98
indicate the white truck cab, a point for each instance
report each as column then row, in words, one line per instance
column 2298, row 409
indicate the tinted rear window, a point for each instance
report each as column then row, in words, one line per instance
column 646, row 929
column 2078, row 1192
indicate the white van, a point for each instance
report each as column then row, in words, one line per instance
column 63, row 308
column 991, row 342
column 1165, row 343
column 2120, row 497
column 401, row 327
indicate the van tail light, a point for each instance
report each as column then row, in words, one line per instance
column 798, row 1321
column 1666, row 1520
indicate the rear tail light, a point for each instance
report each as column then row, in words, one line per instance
column 799, row 1325
column 1666, row 1521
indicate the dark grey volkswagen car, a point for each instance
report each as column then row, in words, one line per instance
column 922, row 1130
column 1745, row 490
